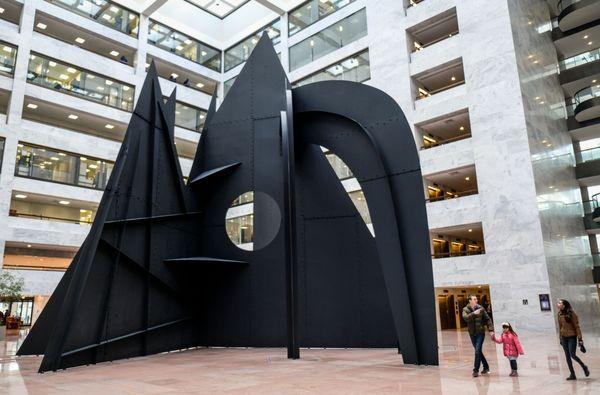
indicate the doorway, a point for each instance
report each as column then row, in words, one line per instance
column 451, row 300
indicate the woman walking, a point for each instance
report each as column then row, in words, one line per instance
column 570, row 336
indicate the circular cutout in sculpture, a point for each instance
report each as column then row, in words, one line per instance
column 252, row 221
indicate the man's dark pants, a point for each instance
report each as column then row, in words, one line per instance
column 477, row 341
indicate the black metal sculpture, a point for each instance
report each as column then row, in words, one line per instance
column 157, row 271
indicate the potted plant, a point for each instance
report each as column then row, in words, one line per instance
column 11, row 288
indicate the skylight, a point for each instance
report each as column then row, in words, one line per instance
column 219, row 8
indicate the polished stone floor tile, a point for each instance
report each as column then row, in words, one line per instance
column 325, row 371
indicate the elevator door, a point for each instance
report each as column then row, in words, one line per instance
column 446, row 307
column 461, row 301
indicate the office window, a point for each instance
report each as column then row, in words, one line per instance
column 71, row 80
column 56, row 166
column 356, row 68
column 312, row 11
column 329, row 39
column 105, row 12
column 240, row 52
column 189, row 117
column 182, row 45
column 8, row 57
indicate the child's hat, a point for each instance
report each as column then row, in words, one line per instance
column 505, row 324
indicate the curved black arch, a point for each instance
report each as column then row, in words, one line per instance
column 392, row 183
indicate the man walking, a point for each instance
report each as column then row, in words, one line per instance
column 478, row 322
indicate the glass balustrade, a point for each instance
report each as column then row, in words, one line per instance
column 311, row 12
column 8, row 57
column 413, row 2
column 49, row 164
column 240, row 52
column 578, row 60
column 586, row 94
column 189, row 117
column 336, row 36
column 587, row 155
column 562, row 4
column 182, row 45
column 356, row 68
column 105, row 12
column 68, row 79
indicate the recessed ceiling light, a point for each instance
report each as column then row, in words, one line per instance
column 71, row 70
column 585, row 37
column 594, row 81
column 467, row 178
column 544, row 141
column 114, row 9
column 42, row 26
column 109, row 83
column 28, row 245
column 64, row 202
column 54, row 158
column 537, row 98
column 73, row 116
column 80, row 40
column 125, row 88
column 203, row 53
column 453, row 78
column 542, row 102
column 173, row 75
column 82, row 158
column 20, row 196
column 51, row 63
column 32, row 106
column 188, row 41
column 109, row 126
column 7, row 48
column 470, row 230
column 200, row 85
column 535, row 62
column 114, row 53
column 63, row 77
column 590, row 42
column 461, row 128
column 1, row 10
column 62, row 154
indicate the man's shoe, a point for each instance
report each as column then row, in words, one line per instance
column 475, row 373
column 485, row 371
column 586, row 371
column 571, row 377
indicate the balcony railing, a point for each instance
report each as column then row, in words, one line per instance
column 68, row 79
column 587, row 155
column 412, row 3
column 80, row 221
column 452, row 195
column 585, row 94
column 8, row 57
column 457, row 253
column 182, row 45
column 105, row 12
column 578, row 60
column 562, row 4
column 48, row 164
column 435, row 143
column 312, row 11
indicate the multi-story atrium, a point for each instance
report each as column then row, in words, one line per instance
column 503, row 98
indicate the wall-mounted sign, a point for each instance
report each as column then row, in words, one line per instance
column 545, row 302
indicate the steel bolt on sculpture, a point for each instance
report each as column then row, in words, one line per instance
column 157, row 271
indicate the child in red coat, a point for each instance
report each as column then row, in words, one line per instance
column 511, row 345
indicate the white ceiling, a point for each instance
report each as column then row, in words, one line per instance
column 188, row 18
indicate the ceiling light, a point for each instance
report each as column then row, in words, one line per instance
column 114, row 53
column 312, row 43
column 1, row 10
column 62, row 154
column 42, row 26
column 188, row 41
column 544, row 141
column 125, row 88
column 73, row 116
column 453, row 78
column 20, row 196
column 341, row 28
column 32, row 106
column 100, row 88
column 173, row 75
column 82, row 158
column 254, row 41
column 64, row 202
column 179, row 47
column 590, row 42
column 28, row 245
column 147, row 65
column 63, row 77
column 106, row 17
column 7, row 49
column 71, row 70
column 51, row 64
column 537, row 98
column 109, row 83
column 585, row 37
column 461, row 128
column 467, row 178
column 535, row 62
column 203, row 53
column 109, row 126
column 92, row 166
column 54, row 158
column 470, row 230
column 542, row 102
column 114, row 9
column 594, row 81
column 80, row 40
column 200, row 85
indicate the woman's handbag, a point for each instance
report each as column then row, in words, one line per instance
column 582, row 347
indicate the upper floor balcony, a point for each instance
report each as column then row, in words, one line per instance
column 53, row 74
column 457, row 241
column 240, row 52
column 10, row 11
column 105, row 12
column 451, row 184
column 438, row 79
column 444, row 130
column 312, row 11
column 433, row 30
column 586, row 103
column 576, row 13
